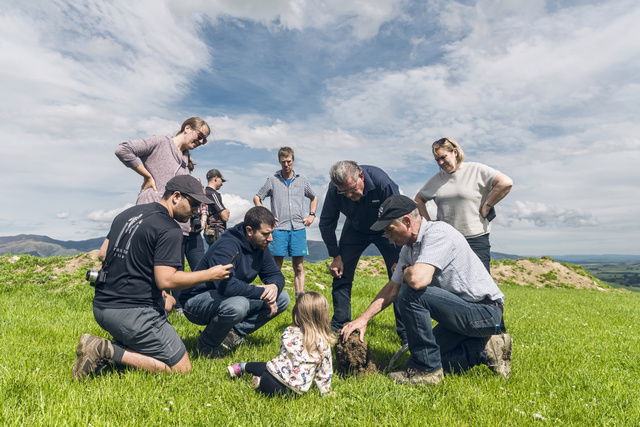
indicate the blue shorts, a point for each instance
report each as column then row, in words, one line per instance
column 292, row 243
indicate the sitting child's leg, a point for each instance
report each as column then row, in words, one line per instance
column 255, row 368
column 272, row 387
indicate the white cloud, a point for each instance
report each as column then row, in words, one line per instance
column 542, row 215
column 237, row 207
column 103, row 216
column 63, row 215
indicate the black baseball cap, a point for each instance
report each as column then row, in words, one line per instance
column 394, row 207
column 215, row 173
column 188, row 185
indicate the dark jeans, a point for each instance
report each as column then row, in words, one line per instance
column 458, row 340
column 352, row 244
column 268, row 384
column 220, row 314
column 481, row 246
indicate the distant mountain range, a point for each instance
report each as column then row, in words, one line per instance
column 44, row 246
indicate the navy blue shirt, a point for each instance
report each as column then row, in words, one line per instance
column 249, row 264
column 361, row 215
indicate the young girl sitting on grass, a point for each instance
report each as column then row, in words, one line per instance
column 305, row 352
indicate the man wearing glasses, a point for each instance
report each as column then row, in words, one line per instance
column 357, row 192
column 141, row 259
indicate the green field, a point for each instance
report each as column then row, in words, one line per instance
column 576, row 361
column 625, row 274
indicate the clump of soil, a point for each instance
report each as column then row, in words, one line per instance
column 353, row 356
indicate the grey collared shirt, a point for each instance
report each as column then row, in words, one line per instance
column 458, row 268
column 287, row 201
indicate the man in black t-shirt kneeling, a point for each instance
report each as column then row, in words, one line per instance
column 141, row 257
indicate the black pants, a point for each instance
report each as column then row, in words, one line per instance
column 268, row 384
column 352, row 244
column 481, row 246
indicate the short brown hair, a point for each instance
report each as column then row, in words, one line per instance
column 285, row 152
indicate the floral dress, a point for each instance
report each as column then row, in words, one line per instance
column 296, row 368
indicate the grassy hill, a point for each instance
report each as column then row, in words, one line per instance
column 576, row 361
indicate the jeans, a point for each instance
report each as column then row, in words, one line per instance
column 219, row 314
column 458, row 340
column 480, row 246
column 352, row 244
column 194, row 249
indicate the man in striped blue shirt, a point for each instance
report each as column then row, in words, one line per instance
column 288, row 190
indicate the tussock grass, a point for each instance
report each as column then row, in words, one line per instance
column 575, row 362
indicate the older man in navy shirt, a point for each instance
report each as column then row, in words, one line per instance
column 357, row 192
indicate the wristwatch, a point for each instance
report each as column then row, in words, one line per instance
column 312, row 213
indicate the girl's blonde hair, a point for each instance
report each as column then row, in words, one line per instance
column 311, row 315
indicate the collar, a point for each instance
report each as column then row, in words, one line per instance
column 279, row 174
column 423, row 231
column 368, row 183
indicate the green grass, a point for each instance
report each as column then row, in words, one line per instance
column 576, row 361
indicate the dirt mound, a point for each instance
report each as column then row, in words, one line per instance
column 353, row 356
column 543, row 272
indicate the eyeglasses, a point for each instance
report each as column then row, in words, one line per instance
column 202, row 138
column 193, row 203
column 350, row 190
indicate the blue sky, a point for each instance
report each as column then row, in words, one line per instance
column 547, row 92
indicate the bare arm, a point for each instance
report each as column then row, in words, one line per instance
column 312, row 208
column 422, row 206
column 257, row 201
column 148, row 179
column 418, row 275
column 102, row 253
column 502, row 185
column 224, row 215
column 386, row 296
column 169, row 278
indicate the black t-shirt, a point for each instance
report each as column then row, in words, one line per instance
column 142, row 236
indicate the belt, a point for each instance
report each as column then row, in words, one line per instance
column 488, row 301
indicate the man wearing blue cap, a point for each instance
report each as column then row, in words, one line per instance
column 439, row 277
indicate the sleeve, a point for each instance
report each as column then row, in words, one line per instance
column 403, row 262
column 487, row 175
column 270, row 273
column 308, row 192
column 437, row 250
column 389, row 188
column 166, row 252
column 329, row 221
column 266, row 190
column 216, row 206
column 425, row 192
column 130, row 152
column 325, row 372
column 231, row 286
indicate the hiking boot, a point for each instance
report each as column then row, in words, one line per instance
column 210, row 352
column 95, row 355
column 498, row 354
column 417, row 377
column 232, row 340
column 235, row 370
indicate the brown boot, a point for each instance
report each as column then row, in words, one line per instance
column 95, row 354
column 498, row 351
column 416, row 377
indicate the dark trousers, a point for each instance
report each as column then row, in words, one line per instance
column 193, row 249
column 481, row 246
column 268, row 384
column 352, row 244
column 457, row 342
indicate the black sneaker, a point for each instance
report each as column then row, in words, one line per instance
column 232, row 340
column 210, row 352
column 95, row 355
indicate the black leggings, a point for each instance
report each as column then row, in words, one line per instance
column 268, row 384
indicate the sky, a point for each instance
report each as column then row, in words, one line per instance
column 547, row 92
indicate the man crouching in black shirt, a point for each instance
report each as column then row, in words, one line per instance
column 141, row 257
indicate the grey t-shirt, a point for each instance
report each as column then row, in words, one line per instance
column 460, row 195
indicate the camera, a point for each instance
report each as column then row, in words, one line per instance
column 96, row 277
column 196, row 222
